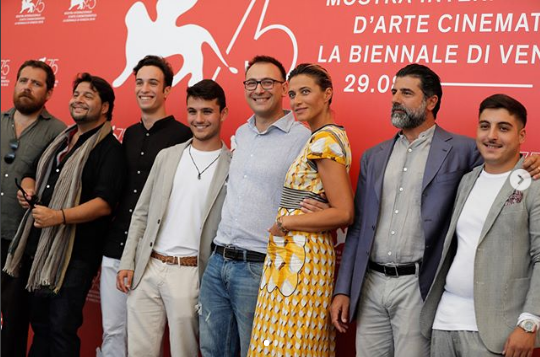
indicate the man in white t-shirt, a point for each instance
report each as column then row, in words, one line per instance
column 172, row 228
column 485, row 300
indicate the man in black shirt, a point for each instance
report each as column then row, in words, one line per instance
column 71, row 193
column 142, row 142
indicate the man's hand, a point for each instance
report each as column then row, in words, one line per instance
column 519, row 344
column 46, row 217
column 124, row 278
column 20, row 197
column 310, row 205
column 339, row 311
column 532, row 165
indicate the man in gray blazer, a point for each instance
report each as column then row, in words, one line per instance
column 172, row 229
column 485, row 299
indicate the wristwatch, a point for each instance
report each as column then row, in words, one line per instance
column 528, row 326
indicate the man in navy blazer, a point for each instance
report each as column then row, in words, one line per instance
column 403, row 206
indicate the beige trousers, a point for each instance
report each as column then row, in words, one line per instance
column 166, row 294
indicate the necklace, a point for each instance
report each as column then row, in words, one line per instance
column 196, row 167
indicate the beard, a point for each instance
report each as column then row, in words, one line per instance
column 408, row 118
column 27, row 104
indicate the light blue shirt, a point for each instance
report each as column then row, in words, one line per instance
column 256, row 176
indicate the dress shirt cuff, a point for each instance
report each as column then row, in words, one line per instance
column 527, row 316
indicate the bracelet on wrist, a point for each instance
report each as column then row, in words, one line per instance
column 279, row 223
column 63, row 216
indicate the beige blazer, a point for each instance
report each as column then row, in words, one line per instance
column 506, row 266
column 151, row 210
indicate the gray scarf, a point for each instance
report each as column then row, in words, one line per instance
column 55, row 243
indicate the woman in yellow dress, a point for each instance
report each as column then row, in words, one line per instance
column 292, row 315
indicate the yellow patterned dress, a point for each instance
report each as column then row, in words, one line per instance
column 292, row 315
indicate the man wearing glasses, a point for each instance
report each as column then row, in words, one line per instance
column 265, row 147
column 27, row 129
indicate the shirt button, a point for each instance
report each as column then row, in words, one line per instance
column 389, row 253
column 1, row 193
column 134, row 191
column 138, row 172
column 147, row 134
column 400, row 189
column 405, row 169
column 48, row 186
column 7, row 175
column 125, row 232
column 57, row 170
column 393, row 232
column 121, row 244
column 245, row 176
column 410, row 150
column 130, row 210
column 396, row 211
column 142, row 152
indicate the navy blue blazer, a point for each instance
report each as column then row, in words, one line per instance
column 450, row 157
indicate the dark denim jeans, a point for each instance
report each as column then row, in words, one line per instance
column 228, row 297
column 55, row 319
column 15, row 307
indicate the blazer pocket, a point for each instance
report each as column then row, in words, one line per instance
column 514, row 298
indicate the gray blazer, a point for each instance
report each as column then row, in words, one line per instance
column 450, row 157
column 506, row 266
column 151, row 210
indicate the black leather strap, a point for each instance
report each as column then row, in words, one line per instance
column 393, row 270
column 240, row 254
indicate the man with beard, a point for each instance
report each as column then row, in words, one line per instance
column 58, row 245
column 404, row 201
column 27, row 129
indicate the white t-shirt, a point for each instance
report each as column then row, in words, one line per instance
column 456, row 308
column 182, row 226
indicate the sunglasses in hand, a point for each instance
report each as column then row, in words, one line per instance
column 33, row 201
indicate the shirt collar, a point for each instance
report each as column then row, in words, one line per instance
column 284, row 123
column 45, row 115
column 159, row 124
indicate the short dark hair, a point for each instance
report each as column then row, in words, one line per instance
column 503, row 101
column 430, row 83
column 268, row 59
column 207, row 89
column 158, row 62
column 51, row 79
column 104, row 89
column 318, row 73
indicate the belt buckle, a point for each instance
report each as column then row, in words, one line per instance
column 396, row 274
column 230, row 248
column 169, row 260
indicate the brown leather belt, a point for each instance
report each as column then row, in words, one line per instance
column 184, row 261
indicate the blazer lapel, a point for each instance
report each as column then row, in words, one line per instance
column 466, row 187
column 380, row 160
column 437, row 154
column 220, row 175
column 168, row 174
column 498, row 204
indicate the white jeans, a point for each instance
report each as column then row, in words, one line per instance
column 113, row 311
column 166, row 294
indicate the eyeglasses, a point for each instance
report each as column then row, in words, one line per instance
column 10, row 157
column 266, row 83
column 33, row 201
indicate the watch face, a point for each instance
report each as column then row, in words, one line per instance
column 528, row 326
